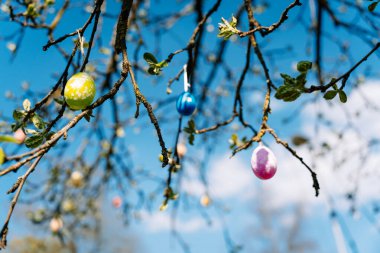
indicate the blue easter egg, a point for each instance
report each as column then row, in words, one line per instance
column 186, row 104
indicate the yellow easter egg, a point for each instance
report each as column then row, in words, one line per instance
column 80, row 91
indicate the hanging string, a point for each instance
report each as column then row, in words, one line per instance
column 81, row 42
column 186, row 84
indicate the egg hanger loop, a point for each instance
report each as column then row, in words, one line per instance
column 81, row 42
column 186, row 84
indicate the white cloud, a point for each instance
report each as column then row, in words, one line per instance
column 230, row 177
column 193, row 186
column 162, row 221
column 350, row 164
column 340, row 170
column 227, row 178
column 358, row 112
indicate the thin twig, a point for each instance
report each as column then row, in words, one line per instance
column 265, row 30
column 4, row 230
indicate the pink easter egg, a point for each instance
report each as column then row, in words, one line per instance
column 116, row 202
column 263, row 162
column 19, row 135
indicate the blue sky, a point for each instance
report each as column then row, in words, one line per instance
column 231, row 184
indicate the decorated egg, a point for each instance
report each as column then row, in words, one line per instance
column 205, row 200
column 68, row 206
column 56, row 224
column 19, row 135
column 76, row 179
column 80, row 91
column 263, row 162
column 117, row 201
column 186, row 104
column 181, row 150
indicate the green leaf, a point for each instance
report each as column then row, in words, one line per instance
column 157, row 71
column 233, row 141
column 299, row 140
column 164, row 206
column 293, row 87
column 304, row 66
column 26, row 104
column 234, row 138
column 38, row 121
column 162, row 64
column 87, row 117
column 191, row 124
column 287, row 93
column 155, row 67
column 292, row 97
column 227, row 29
column 191, row 139
column 150, row 71
column 105, row 50
column 190, row 129
column 150, row 59
column 16, row 126
column 2, row 156
column 154, row 71
column 31, row 11
column 49, row 135
column 49, row 2
column 18, row 115
column 233, row 22
column 34, row 141
column 372, row 6
column 174, row 196
column 288, row 80
column 330, row 94
column 30, row 131
column 225, row 34
column 301, row 80
column 342, row 96
column 8, row 138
